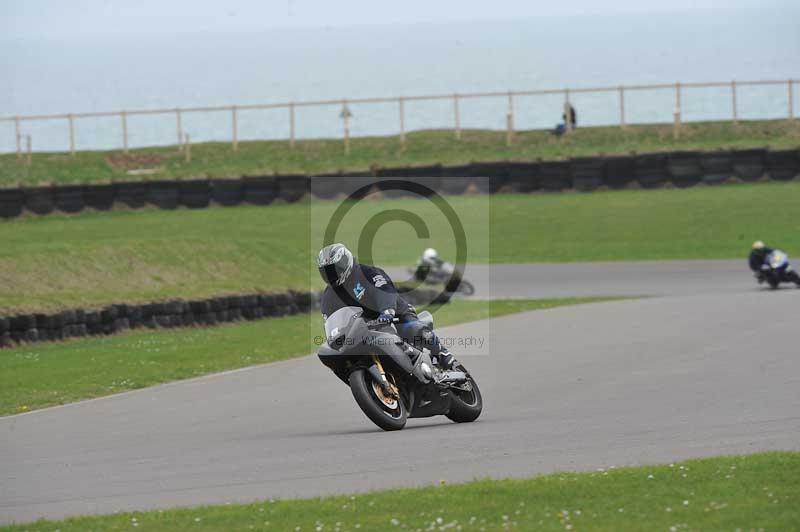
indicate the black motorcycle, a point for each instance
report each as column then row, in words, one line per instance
column 443, row 274
column 776, row 270
column 392, row 380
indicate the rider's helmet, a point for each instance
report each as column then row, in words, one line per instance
column 335, row 263
column 429, row 256
column 758, row 244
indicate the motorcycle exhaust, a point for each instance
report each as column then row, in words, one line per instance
column 452, row 377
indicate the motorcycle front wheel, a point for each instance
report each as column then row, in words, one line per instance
column 387, row 412
column 465, row 405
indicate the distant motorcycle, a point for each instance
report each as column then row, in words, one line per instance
column 392, row 380
column 776, row 270
column 443, row 274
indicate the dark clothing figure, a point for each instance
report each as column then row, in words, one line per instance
column 572, row 119
column 372, row 289
column 758, row 257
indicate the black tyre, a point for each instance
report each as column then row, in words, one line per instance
column 387, row 413
column 466, row 288
column 465, row 406
column 773, row 283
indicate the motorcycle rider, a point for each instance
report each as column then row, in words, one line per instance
column 351, row 284
column 758, row 263
column 758, row 256
column 430, row 261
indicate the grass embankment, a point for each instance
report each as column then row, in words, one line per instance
column 39, row 375
column 751, row 492
column 216, row 159
column 134, row 256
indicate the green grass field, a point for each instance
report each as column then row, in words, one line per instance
column 92, row 259
column 750, row 492
column 39, row 375
column 216, row 159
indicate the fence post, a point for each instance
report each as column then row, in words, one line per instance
column 71, row 135
column 346, row 118
column 19, row 138
column 510, row 120
column 676, row 126
column 187, row 148
column 28, row 143
column 733, row 102
column 401, row 107
column 621, row 106
column 791, row 99
column 567, row 112
column 291, row 125
column 457, row 116
column 124, row 116
column 179, row 126
column 235, row 129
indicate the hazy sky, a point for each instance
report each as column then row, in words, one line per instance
column 52, row 17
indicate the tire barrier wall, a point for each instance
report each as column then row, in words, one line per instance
column 25, row 328
column 77, row 323
column 647, row 170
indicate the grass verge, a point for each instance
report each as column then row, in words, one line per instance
column 135, row 256
column 216, row 159
column 750, row 492
column 39, row 375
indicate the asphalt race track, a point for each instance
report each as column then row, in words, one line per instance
column 710, row 367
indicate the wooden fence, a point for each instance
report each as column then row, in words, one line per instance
column 401, row 101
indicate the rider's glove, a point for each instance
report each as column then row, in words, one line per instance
column 385, row 317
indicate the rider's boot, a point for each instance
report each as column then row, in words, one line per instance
column 446, row 359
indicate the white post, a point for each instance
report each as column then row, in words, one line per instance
column 621, row 106
column 187, row 148
column 733, row 102
column 677, row 116
column 457, row 116
column 235, row 128
column 19, row 137
column 28, row 142
column 676, row 125
column 179, row 126
column 791, row 99
column 291, row 125
column 124, row 116
column 402, row 110
column 346, row 118
column 71, row 135
column 510, row 120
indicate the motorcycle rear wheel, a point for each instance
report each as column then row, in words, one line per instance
column 466, row 288
column 465, row 407
column 387, row 414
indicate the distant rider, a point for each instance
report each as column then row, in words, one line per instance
column 430, row 261
column 351, row 284
column 758, row 256
column 759, row 263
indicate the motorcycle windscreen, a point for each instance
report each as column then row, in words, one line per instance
column 339, row 323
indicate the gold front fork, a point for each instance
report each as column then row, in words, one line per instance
column 377, row 360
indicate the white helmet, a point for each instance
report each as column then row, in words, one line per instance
column 430, row 255
column 758, row 244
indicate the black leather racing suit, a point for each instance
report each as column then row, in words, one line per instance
column 758, row 257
